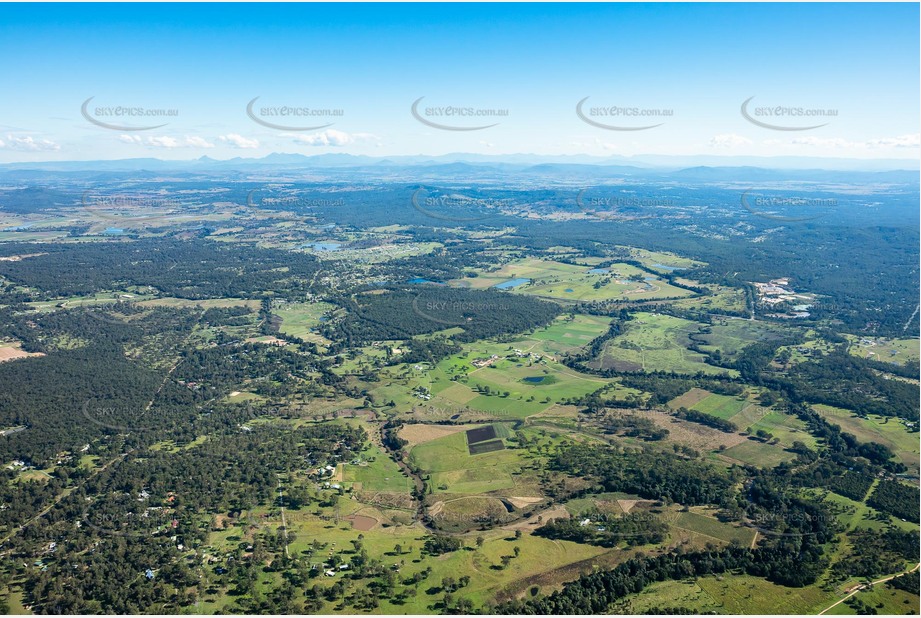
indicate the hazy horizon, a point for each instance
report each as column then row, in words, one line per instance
column 643, row 161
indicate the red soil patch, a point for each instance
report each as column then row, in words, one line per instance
column 362, row 522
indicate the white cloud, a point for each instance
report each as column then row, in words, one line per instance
column 910, row 140
column 166, row 141
column 823, row 142
column 28, row 143
column 163, row 141
column 198, row 142
column 596, row 143
column 238, row 141
column 332, row 137
column 729, row 140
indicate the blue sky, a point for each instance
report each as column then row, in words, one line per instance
column 692, row 64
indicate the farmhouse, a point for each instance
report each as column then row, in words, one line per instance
column 484, row 362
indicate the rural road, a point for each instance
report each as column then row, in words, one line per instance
column 865, row 586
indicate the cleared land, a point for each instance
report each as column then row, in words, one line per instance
column 12, row 352
column 899, row 351
column 730, row 336
column 571, row 282
column 419, row 433
column 481, row 434
column 655, row 342
column 486, row 447
column 300, row 319
column 523, row 380
column 890, row 432
column 455, row 471
column 732, row 594
column 376, row 472
column 748, row 417
column 722, row 406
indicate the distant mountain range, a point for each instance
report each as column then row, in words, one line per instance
column 704, row 167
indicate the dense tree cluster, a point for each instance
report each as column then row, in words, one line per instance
column 175, row 268
column 909, row 582
column 897, row 498
column 429, row 350
column 648, row 473
column 633, row 426
column 96, row 391
column 403, row 312
column 606, row 530
column 877, row 553
column 851, row 485
column 709, row 420
column 820, row 382
column 441, row 544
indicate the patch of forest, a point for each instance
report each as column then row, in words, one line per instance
column 194, row 270
column 404, row 312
